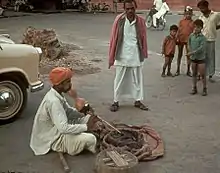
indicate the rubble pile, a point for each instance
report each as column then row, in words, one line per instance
column 57, row 53
column 80, row 65
column 46, row 39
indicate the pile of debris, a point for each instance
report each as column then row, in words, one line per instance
column 56, row 53
column 46, row 39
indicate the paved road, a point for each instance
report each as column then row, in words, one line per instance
column 188, row 124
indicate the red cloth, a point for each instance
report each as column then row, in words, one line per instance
column 60, row 74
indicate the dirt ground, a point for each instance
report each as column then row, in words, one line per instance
column 74, row 58
column 189, row 125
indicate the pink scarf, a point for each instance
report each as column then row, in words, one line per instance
column 114, row 37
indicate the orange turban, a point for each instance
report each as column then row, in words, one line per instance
column 60, row 74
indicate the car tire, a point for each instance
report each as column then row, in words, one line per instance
column 13, row 99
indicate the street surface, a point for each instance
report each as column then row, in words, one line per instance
column 189, row 125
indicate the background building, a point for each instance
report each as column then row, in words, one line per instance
column 173, row 4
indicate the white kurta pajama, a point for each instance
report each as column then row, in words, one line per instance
column 163, row 10
column 158, row 4
column 210, row 32
column 52, row 129
column 128, row 81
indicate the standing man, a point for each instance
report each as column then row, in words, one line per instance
column 58, row 126
column 128, row 49
column 211, row 21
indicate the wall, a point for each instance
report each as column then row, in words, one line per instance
column 173, row 4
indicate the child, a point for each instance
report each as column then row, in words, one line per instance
column 168, row 50
column 186, row 27
column 197, row 53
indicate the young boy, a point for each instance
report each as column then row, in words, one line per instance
column 168, row 50
column 197, row 53
column 186, row 27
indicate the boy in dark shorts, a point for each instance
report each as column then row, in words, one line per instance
column 186, row 28
column 197, row 53
column 168, row 50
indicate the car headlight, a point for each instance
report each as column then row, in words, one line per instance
column 39, row 51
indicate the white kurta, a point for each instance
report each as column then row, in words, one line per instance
column 128, row 81
column 59, row 127
column 209, row 25
column 164, row 8
column 158, row 4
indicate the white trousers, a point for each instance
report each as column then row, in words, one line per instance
column 128, row 83
column 75, row 144
column 155, row 20
column 158, row 15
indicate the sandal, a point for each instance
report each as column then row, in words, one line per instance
column 204, row 93
column 114, row 107
column 189, row 74
column 163, row 75
column 177, row 73
column 211, row 80
column 170, row 74
column 141, row 106
column 194, row 91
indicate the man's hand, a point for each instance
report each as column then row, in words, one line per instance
column 72, row 93
column 109, row 66
column 190, row 53
column 177, row 42
column 80, row 103
column 87, row 109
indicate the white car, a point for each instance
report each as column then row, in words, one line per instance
column 19, row 72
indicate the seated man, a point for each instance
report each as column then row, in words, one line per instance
column 52, row 129
column 156, row 6
column 161, row 13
